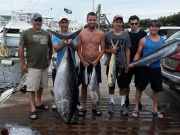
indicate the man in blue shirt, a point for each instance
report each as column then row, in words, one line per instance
column 150, row 73
column 59, row 44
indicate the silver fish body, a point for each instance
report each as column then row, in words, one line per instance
column 163, row 51
column 85, row 77
column 66, row 87
column 18, row 129
column 93, row 87
column 112, row 67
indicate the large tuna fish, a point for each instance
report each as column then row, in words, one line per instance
column 112, row 66
column 165, row 50
column 17, row 129
column 66, row 87
column 93, row 87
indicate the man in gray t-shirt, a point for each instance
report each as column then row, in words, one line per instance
column 122, row 51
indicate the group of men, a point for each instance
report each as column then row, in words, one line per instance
column 91, row 44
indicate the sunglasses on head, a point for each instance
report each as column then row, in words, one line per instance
column 38, row 20
column 134, row 23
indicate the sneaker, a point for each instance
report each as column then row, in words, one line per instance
column 54, row 107
column 124, row 110
column 127, row 102
column 157, row 115
column 111, row 108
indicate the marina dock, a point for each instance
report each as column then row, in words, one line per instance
column 16, row 109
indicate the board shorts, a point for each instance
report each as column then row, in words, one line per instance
column 136, row 71
column 89, row 70
column 121, row 77
column 37, row 78
column 149, row 75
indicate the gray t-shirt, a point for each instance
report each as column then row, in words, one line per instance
column 37, row 47
column 123, row 42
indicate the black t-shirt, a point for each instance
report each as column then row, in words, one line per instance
column 135, row 38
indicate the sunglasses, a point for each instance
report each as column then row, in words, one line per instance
column 38, row 20
column 134, row 23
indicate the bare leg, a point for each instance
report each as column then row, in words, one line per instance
column 31, row 97
column 38, row 96
column 84, row 96
column 137, row 98
column 155, row 101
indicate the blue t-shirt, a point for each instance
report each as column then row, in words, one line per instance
column 149, row 47
column 56, row 41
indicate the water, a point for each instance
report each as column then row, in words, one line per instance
column 10, row 76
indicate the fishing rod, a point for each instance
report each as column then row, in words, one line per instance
column 6, row 94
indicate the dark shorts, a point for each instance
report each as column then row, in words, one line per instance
column 122, row 78
column 136, row 71
column 149, row 75
column 89, row 70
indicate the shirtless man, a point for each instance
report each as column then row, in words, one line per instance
column 89, row 41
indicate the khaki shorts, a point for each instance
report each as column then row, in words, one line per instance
column 37, row 78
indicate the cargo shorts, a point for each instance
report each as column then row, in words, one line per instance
column 37, row 78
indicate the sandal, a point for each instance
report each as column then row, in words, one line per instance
column 135, row 113
column 97, row 112
column 42, row 107
column 4, row 131
column 82, row 112
column 33, row 115
column 157, row 115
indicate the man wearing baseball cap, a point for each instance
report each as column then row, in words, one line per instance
column 38, row 44
column 122, row 52
column 60, row 44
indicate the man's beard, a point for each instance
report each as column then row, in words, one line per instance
column 92, row 26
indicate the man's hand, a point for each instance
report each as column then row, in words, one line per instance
column 114, row 50
column 126, row 69
column 70, row 42
column 85, row 63
column 65, row 42
column 130, row 66
column 25, row 68
column 94, row 63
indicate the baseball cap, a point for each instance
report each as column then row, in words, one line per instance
column 36, row 16
column 63, row 18
column 117, row 17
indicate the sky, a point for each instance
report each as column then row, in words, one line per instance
column 55, row 8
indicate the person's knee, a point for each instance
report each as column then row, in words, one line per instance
column 122, row 91
column 111, row 90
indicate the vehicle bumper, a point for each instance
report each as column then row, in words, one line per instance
column 171, row 77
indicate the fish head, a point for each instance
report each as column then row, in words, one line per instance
column 66, row 109
column 18, row 129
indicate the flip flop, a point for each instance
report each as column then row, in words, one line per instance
column 97, row 112
column 82, row 112
column 42, row 107
column 33, row 115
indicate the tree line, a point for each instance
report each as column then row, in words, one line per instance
column 172, row 20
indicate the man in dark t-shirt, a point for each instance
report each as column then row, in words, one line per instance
column 135, row 36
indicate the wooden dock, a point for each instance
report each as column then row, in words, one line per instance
column 16, row 109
